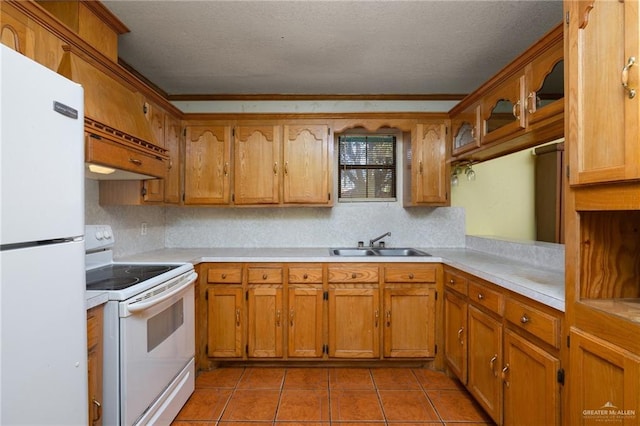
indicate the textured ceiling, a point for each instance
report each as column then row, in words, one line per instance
column 327, row 47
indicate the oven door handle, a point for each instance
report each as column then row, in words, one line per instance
column 141, row 306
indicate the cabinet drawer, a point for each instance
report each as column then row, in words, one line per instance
column 265, row 275
column 225, row 275
column 353, row 274
column 456, row 282
column 483, row 296
column 410, row 274
column 101, row 151
column 541, row 324
column 305, row 275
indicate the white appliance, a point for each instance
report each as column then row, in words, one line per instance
column 149, row 333
column 43, row 332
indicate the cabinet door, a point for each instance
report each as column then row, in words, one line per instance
column 305, row 322
column 531, row 390
column 465, row 130
column 224, row 322
column 503, row 113
column 257, row 165
column 354, row 319
column 429, row 176
column 604, row 385
column 172, row 143
column 485, row 359
column 603, row 117
column 265, row 322
column 94, row 363
column 455, row 335
column 206, row 164
column 545, row 85
column 409, row 322
column 307, row 158
column 154, row 188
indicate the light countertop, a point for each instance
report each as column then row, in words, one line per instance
column 540, row 284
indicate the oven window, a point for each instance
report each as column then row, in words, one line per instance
column 161, row 326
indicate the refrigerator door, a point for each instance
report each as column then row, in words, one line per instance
column 43, row 331
column 41, row 152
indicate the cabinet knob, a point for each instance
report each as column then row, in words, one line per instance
column 524, row 319
column 452, row 281
column 264, row 276
column 411, row 275
column 353, row 275
column 305, row 276
column 480, row 296
column 224, row 276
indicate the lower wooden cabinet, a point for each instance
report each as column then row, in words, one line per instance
column 485, row 359
column 531, row 389
column 94, row 357
column 224, row 321
column 354, row 321
column 305, row 322
column 409, row 321
column 505, row 349
column 266, row 321
column 604, row 382
column 455, row 335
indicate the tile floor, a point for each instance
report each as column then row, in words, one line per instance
column 329, row 396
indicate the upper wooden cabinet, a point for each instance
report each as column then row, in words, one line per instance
column 207, row 164
column 603, row 51
column 307, row 164
column 520, row 107
column 428, row 172
column 465, row 130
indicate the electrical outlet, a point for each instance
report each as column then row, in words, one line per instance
column 143, row 228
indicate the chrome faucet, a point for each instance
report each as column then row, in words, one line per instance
column 371, row 242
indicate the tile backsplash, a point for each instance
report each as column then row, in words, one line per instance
column 343, row 225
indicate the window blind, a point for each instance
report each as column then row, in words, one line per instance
column 367, row 167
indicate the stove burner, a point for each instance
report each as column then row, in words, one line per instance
column 118, row 276
column 117, row 283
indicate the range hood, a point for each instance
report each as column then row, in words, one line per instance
column 118, row 135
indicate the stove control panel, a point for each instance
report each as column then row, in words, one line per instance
column 98, row 237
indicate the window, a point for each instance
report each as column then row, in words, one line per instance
column 367, row 167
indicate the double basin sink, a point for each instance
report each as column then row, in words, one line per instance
column 376, row 251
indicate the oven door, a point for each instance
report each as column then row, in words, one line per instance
column 157, row 341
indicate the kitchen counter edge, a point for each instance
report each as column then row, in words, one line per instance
column 542, row 285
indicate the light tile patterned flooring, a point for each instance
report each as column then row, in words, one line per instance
column 259, row 396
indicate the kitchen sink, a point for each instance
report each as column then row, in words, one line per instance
column 369, row 251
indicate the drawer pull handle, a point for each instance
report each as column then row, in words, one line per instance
column 625, row 78
column 305, row 276
column 492, row 363
column 353, row 275
column 411, row 275
column 480, row 296
column 98, row 411
column 264, row 276
column 452, row 281
column 224, row 276
column 504, row 374
column 135, row 161
column 460, row 335
column 238, row 317
column 524, row 319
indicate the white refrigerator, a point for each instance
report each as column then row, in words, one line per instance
column 43, row 333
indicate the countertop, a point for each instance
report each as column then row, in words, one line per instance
column 543, row 285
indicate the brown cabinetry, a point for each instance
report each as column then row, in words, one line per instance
column 224, row 308
column 505, row 349
column 306, row 313
column 207, row 165
column 354, row 311
column 257, row 164
column 409, row 311
column 94, row 361
column 265, row 311
column 465, row 130
column 429, row 170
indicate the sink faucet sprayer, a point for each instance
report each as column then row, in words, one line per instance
column 371, row 242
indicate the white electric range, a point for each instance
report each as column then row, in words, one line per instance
column 149, row 337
